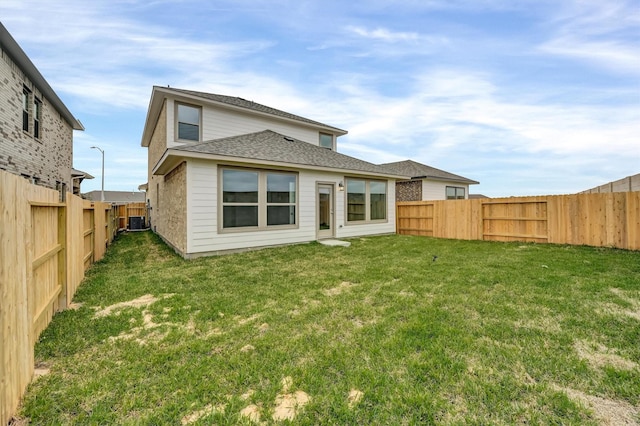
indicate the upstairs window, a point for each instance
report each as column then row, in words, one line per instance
column 326, row 140
column 25, row 109
column 37, row 117
column 188, row 123
column 455, row 193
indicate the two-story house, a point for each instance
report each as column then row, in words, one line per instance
column 36, row 128
column 227, row 173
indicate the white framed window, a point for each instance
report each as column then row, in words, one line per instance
column 366, row 200
column 258, row 199
column 326, row 140
column 188, row 118
column 455, row 193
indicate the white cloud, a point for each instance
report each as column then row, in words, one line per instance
column 611, row 55
column 604, row 34
column 384, row 34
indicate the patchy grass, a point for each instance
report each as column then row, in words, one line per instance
column 377, row 333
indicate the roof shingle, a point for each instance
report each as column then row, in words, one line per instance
column 419, row 170
column 268, row 145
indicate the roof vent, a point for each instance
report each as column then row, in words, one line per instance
column 287, row 138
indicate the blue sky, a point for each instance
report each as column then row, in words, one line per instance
column 527, row 97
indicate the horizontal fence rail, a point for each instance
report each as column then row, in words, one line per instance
column 598, row 219
column 45, row 248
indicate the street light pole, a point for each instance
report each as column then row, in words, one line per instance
column 101, row 192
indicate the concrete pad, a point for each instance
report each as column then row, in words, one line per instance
column 335, row 243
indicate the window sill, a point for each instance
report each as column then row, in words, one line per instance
column 366, row 222
column 246, row 229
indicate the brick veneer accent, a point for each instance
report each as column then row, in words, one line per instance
column 174, row 215
column 46, row 160
column 410, row 190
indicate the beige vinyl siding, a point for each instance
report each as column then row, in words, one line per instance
column 220, row 123
column 203, row 229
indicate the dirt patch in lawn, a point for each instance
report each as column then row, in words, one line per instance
column 247, row 348
column 345, row 285
column 140, row 302
column 147, row 324
column 251, row 412
column 288, row 404
column 40, row 369
column 243, row 321
column 355, row 396
column 600, row 356
column 206, row 411
column 609, row 412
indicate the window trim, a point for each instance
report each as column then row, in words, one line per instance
column 367, row 201
column 37, row 118
column 26, row 113
column 455, row 188
column 262, row 201
column 176, row 122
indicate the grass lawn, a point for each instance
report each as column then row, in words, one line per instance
column 378, row 333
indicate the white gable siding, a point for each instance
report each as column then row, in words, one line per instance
column 437, row 190
column 221, row 123
column 202, row 213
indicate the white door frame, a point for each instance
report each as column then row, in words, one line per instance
column 331, row 231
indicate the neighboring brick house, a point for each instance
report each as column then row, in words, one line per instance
column 428, row 183
column 228, row 174
column 36, row 128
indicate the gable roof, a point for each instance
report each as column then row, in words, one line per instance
column 160, row 93
column 422, row 171
column 17, row 55
column 270, row 148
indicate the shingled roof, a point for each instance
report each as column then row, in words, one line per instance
column 422, row 171
column 254, row 106
column 269, row 146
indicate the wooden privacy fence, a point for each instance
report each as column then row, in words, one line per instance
column 601, row 220
column 132, row 210
column 45, row 247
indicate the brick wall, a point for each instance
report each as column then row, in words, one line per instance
column 174, row 213
column 46, row 160
column 157, row 146
column 410, row 190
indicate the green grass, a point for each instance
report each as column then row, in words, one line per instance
column 487, row 333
